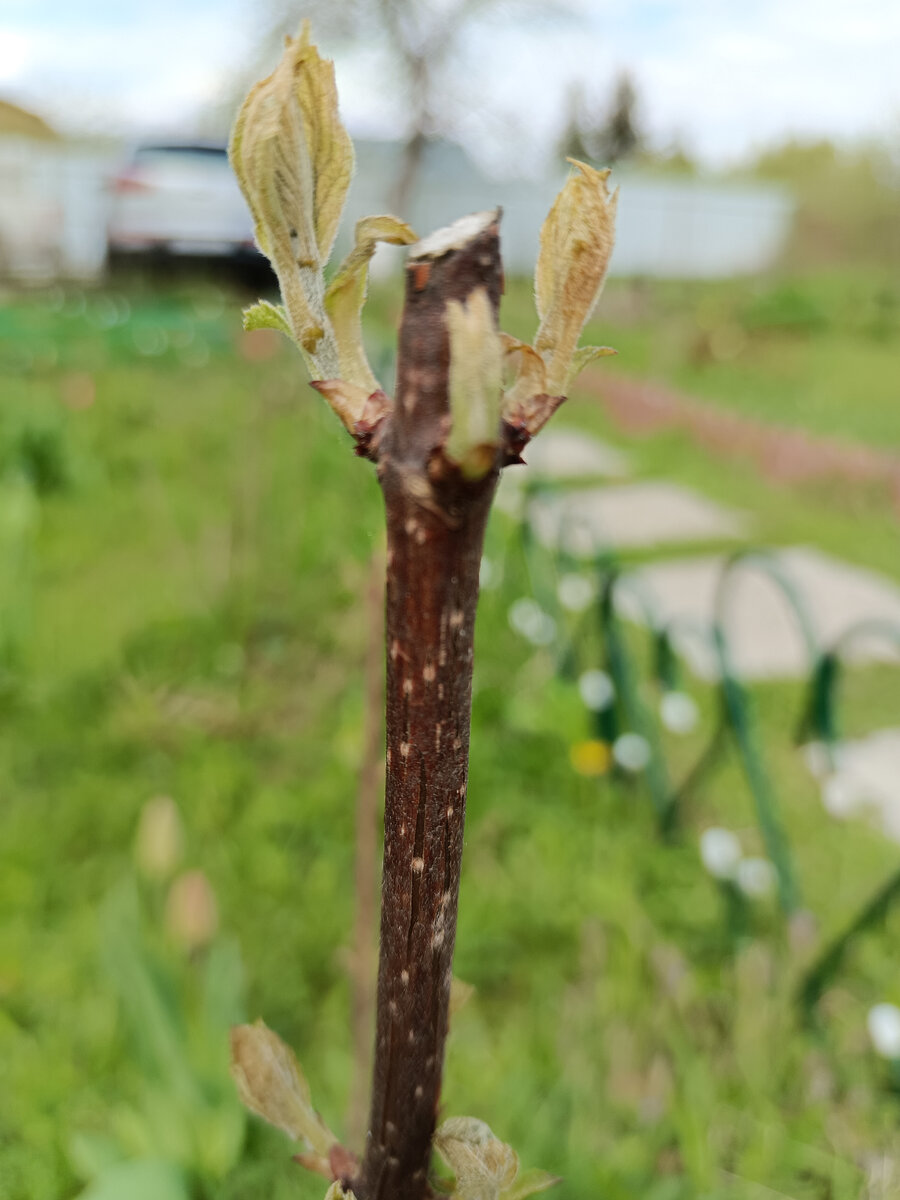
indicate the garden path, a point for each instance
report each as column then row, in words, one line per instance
column 765, row 638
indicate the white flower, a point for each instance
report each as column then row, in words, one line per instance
column 756, row 877
column 597, row 690
column 528, row 619
column 575, row 592
column 631, row 752
column 720, row 851
column 678, row 712
column 884, row 1029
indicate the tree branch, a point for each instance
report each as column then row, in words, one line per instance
column 436, row 521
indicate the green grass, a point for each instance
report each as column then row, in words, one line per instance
column 196, row 627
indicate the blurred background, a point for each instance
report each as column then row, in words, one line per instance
column 678, row 908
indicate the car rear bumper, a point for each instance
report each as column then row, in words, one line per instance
column 133, row 243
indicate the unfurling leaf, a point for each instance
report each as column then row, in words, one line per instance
column 584, row 357
column 530, row 1183
column 264, row 315
column 475, row 384
column 294, row 160
column 526, row 404
column 576, row 244
column 346, row 295
column 329, row 143
column 271, row 1084
column 531, row 376
column 484, row 1166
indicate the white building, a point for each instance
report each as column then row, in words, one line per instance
column 675, row 227
column 53, row 201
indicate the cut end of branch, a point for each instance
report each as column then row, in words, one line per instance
column 455, row 236
column 449, row 362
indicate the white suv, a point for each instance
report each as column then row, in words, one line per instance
column 179, row 199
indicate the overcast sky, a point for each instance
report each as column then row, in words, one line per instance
column 721, row 75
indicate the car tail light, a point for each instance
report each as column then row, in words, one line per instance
column 126, row 183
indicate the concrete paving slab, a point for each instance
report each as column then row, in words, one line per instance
column 630, row 516
column 764, row 638
column 865, row 781
column 561, row 455
column 570, row 454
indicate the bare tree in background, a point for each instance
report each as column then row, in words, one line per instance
column 425, row 49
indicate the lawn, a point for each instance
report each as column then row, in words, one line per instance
column 185, row 570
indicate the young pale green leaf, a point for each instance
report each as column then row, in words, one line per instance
column 476, row 354
column 264, row 315
column 576, row 243
column 530, row 1183
column 530, row 380
column 346, row 295
column 484, row 1166
column 584, row 357
column 330, row 146
column 526, row 403
column 271, row 1084
column 270, row 157
column 293, row 160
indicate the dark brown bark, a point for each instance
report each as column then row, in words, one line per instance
column 436, row 522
